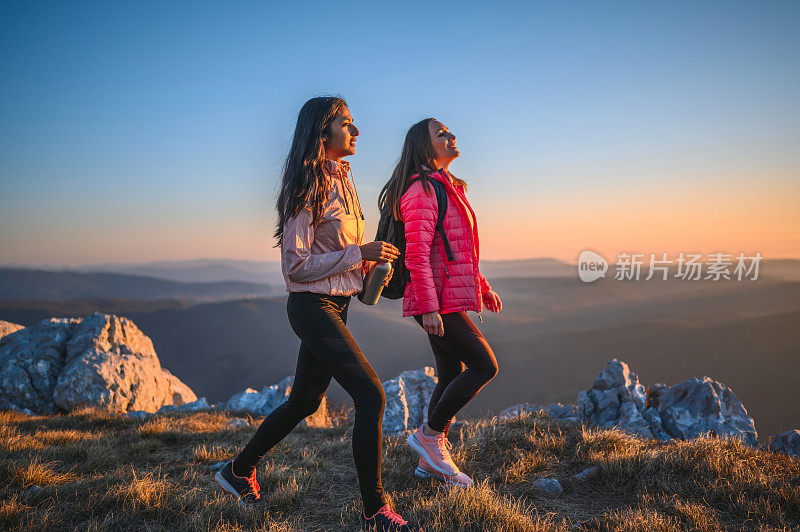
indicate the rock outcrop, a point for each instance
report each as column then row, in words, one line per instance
column 31, row 361
column 786, row 442
column 102, row 361
column 407, row 398
column 685, row 410
column 195, row 406
column 269, row 398
column 617, row 400
column 6, row 328
column 695, row 406
column 554, row 410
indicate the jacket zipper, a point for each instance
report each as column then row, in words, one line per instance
column 475, row 267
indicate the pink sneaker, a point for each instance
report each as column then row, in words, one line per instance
column 435, row 450
column 423, row 470
column 387, row 520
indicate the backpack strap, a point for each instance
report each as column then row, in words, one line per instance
column 441, row 199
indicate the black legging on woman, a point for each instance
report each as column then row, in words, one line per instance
column 327, row 350
column 462, row 343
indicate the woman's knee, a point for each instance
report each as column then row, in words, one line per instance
column 303, row 406
column 370, row 397
column 489, row 369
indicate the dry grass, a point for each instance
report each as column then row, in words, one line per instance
column 94, row 471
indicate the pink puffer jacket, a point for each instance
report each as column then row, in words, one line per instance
column 437, row 284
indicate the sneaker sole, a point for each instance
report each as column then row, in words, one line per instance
column 417, row 446
column 224, row 484
column 421, row 473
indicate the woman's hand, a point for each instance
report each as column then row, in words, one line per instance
column 492, row 301
column 379, row 251
column 432, row 323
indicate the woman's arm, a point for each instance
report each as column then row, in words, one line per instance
column 485, row 286
column 304, row 266
column 420, row 212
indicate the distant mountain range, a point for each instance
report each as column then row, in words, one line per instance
column 265, row 272
column 64, row 285
column 269, row 273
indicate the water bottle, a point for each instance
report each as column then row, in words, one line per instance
column 373, row 284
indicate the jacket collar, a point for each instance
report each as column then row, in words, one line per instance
column 334, row 167
column 440, row 172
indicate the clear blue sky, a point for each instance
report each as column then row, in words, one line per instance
column 137, row 131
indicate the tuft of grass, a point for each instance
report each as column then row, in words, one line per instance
column 96, row 471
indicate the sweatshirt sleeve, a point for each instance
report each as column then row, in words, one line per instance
column 304, row 266
column 420, row 212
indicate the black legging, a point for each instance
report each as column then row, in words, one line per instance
column 462, row 343
column 327, row 349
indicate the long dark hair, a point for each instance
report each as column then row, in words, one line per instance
column 417, row 157
column 304, row 182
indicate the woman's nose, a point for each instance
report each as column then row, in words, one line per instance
column 354, row 131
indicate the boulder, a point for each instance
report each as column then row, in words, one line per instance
column 194, row 406
column 560, row 411
column 31, row 360
column 111, row 334
column 685, row 410
column 696, row 406
column 407, row 398
column 6, row 328
column 269, row 398
column 616, row 400
column 548, row 485
column 102, row 361
column 589, row 472
column 786, row 442
column 111, row 364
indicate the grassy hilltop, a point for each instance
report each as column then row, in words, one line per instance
column 91, row 471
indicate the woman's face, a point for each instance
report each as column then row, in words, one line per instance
column 339, row 138
column 443, row 141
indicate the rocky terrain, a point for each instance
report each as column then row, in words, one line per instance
column 105, row 362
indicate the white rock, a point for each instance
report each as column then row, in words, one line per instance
column 6, row 328
column 269, row 398
column 102, row 361
column 589, row 472
column 786, row 442
column 31, row 360
column 194, row 406
column 407, row 398
column 549, row 485
column 696, row 406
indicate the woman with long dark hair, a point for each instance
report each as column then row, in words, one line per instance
column 440, row 291
column 320, row 229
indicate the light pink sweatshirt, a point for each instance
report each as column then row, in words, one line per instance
column 325, row 258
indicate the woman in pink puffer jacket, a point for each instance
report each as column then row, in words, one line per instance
column 440, row 291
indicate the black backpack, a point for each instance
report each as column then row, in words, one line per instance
column 392, row 231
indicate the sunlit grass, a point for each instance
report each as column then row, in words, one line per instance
column 96, row 471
